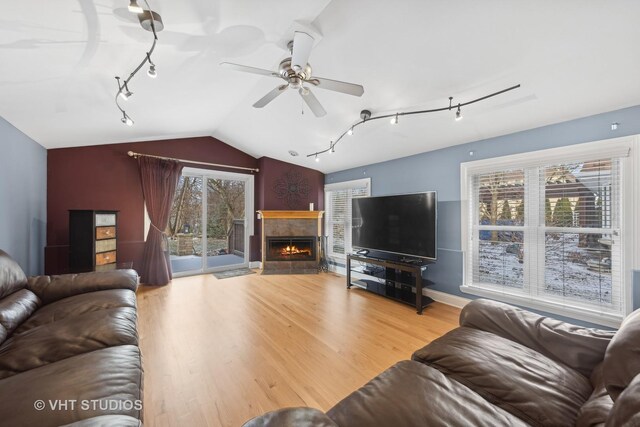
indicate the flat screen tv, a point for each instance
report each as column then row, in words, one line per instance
column 403, row 224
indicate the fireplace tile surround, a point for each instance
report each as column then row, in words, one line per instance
column 282, row 229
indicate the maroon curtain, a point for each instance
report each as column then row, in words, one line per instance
column 159, row 179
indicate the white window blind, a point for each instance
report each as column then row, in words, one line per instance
column 551, row 234
column 338, row 216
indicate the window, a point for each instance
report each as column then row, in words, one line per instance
column 547, row 230
column 338, row 217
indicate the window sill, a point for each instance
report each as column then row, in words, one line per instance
column 584, row 314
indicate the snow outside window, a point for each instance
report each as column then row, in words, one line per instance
column 548, row 235
column 338, row 216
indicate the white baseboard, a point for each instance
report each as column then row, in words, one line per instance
column 255, row 264
column 442, row 297
column 445, row 298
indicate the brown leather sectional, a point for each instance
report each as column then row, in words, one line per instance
column 69, row 349
column 503, row 366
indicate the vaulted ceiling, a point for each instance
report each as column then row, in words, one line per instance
column 573, row 58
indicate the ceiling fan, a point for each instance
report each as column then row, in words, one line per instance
column 296, row 72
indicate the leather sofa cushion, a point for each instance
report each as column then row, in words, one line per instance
column 53, row 288
column 626, row 410
column 597, row 408
column 12, row 278
column 410, row 394
column 67, row 338
column 16, row 308
column 109, row 375
column 622, row 359
column 577, row 347
column 523, row 382
column 292, row 417
column 78, row 305
column 107, row 421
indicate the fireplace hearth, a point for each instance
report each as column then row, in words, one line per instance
column 295, row 248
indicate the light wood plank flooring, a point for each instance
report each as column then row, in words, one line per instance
column 218, row 352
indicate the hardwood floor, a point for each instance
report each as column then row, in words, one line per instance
column 218, row 352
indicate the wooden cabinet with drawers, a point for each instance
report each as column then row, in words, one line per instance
column 92, row 240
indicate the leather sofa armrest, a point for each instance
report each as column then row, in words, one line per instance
column 578, row 347
column 53, row 288
column 292, row 417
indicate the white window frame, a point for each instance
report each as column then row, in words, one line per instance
column 628, row 148
column 345, row 185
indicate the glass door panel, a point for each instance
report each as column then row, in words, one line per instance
column 185, row 226
column 225, row 223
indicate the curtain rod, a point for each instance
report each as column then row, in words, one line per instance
column 136, row 155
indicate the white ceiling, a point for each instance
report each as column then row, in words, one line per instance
column 573, row 58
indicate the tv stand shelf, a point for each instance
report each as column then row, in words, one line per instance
column 396, row 280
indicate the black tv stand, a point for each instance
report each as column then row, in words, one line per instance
column 398, row 280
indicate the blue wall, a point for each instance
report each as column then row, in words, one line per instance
column 440, row 170
column 23, row 200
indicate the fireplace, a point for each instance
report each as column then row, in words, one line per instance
column 290, row 241
column 291, row 248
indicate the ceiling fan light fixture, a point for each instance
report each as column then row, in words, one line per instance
column 134, row 7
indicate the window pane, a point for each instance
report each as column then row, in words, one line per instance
column 579, row 194
column 500, row 258
column 578, row 265
column 337, row 246
column 501, row 198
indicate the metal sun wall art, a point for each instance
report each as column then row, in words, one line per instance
column 293, row 189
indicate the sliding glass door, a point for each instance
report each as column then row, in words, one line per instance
column 208, row 228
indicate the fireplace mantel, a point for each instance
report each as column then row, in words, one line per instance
column 291, row 214
column 279, row 224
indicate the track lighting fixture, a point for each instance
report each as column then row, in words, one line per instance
column 150, row 21
column 365, row 116
column 134, row 7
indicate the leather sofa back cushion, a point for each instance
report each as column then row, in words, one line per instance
column 54, row 288
column 594, row 413
column 16, row 308
column 577, row 347
column 622, row 358
column 12, row 278
column 519, row 380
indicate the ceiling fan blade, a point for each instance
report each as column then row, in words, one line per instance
column 246, row 69
column 337, row 86
column 270, row 96
column 302, row 44
column 312, row 102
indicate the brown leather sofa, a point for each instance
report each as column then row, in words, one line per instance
column 69, row 349
column 503, row 366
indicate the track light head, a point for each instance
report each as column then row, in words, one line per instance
column 125, row 94
column 126, row 119
column 134, row 7
column 152, row 72
column 317, row 158
column 350, row 131
column 394, row 119
column 458, row 114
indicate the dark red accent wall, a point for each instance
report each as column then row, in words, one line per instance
column 104, row 177
column 271, row 171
